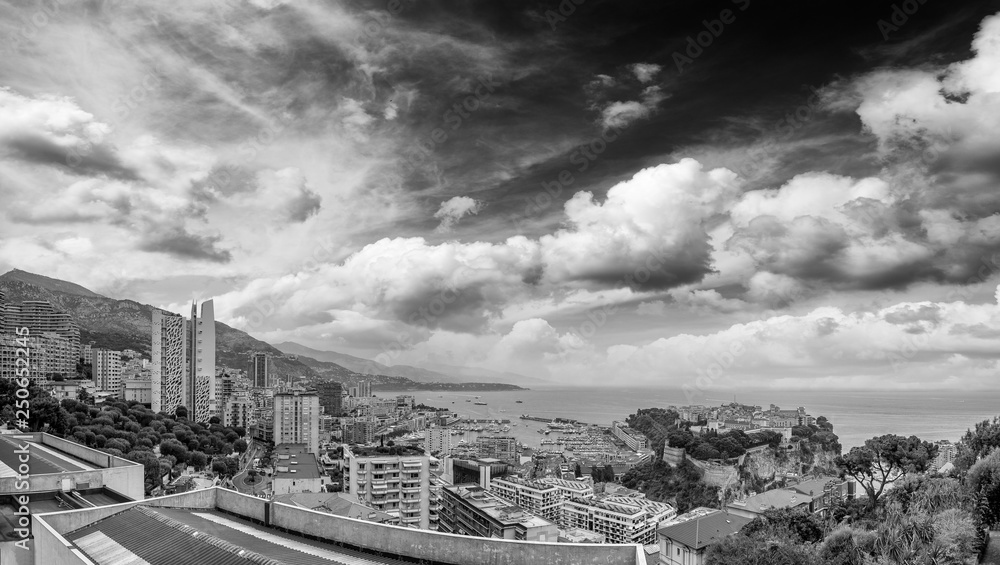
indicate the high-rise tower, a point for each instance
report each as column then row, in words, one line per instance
column 183, row 362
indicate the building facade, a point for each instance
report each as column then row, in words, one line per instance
column 437, row 440
column 183, row 362
column 392, row 480
column 106, row 368
column 331, row 397
column 296, row 419
column 469, row 510
column 258, row 369
column 631, row 438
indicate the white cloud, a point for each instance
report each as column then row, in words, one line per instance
column 645, row 72
column 454, row 209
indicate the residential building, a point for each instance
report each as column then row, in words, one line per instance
column 258, row 369
column 87, row 354
column 40, row 317
column 394, row 480
column 183, row 362
column 621, row 519
column 296, row 419
column 498, row 447
column 238, row 411
column 542, row 500
column 36, row 356
column 467, row 509
column 106, row 368
column 364, row 389
column 331, row 397
column 634, row 439
column 296, row 470
column 946, row 454
column 359, row 431
column 437, row 441
column 137, row 390
column 683, row 539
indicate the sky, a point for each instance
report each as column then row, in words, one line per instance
column 711, row 195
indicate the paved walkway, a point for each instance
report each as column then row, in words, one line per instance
column 993, row 550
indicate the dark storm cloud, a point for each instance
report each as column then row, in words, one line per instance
column 177, row 242
column 97, row 160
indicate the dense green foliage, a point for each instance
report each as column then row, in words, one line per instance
column 884, row 460
column 681, row 485
column 131, row 431
column 655, row 424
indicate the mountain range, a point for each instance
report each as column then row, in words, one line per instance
column 126, row 324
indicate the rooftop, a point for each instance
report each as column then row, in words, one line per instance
column 175, row 536
column 394, row 451
column 774, row 498
column 338, row 504
column 702, row 528
column 220, row 526
column 44, row 459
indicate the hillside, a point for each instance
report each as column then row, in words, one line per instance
column 126, row 324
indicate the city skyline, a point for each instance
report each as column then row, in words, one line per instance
column 709, row 199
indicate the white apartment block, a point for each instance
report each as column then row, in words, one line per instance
column 437, row 440
column 397, row 484
column 106, row 368
column 632, row 438
column 620, row 519
column 296, row 419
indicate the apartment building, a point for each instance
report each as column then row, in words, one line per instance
column 106, row 369
column 36, row 356
column 394, row 480
column 467, row 509
column 437, row 440
column 296, row 418
column 542, row 500
column 620, row 519
column 497, row 447
column 632, row 438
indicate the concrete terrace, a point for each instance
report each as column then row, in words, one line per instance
column 41, row 461
column 221, row 526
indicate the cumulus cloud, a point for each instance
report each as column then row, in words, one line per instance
column 54, row 130
column 454, row 209
column 650, row 232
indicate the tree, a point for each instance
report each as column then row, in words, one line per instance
column 884, row 460
column 152, row 472
column 984, row 480
column 219, row 467
column 198, row 460
column 181, row 412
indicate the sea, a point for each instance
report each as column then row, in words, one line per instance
column 856, row 416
